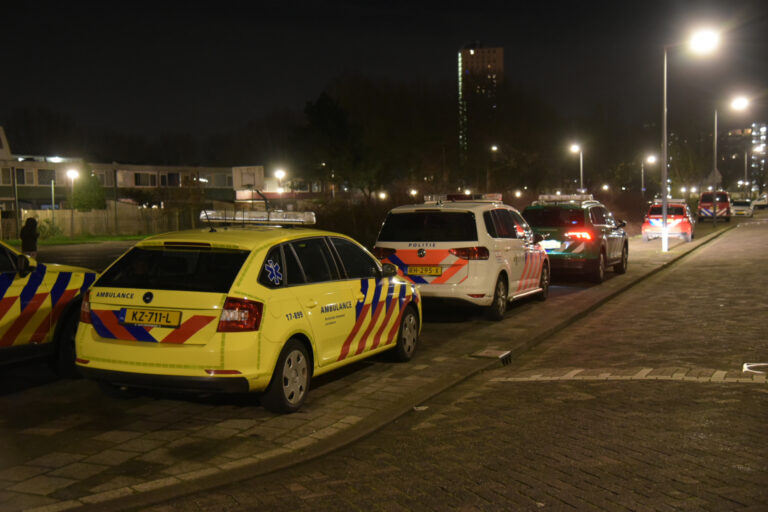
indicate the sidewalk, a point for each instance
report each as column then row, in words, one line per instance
column 74, row 448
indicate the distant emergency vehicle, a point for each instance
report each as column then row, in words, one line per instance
column 680, row 220
column 721, row 207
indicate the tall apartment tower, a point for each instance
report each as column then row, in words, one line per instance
column 759, row 154
column 480, row 72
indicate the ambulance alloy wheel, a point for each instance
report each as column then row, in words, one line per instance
column 499, row 305
column 407, row 336
column 290, row 382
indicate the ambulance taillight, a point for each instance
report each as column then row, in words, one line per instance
column 239, row 315
column 85, row 308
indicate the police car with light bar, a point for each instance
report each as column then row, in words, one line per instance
column 247, row 305
column 580, row 234
column 474, row 249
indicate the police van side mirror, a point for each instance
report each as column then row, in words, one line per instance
column 388, row 270
column 537, row 237
column 23, row 267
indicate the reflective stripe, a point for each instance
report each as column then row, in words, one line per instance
column 107, row 324
column 187, row 329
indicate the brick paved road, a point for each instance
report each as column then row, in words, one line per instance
column 638, row 406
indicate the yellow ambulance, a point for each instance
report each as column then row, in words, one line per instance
column 262, row 304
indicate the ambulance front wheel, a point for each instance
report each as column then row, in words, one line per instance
column 407, row 336
column 290, row 381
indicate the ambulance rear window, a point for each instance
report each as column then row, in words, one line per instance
column 189, row 269
column 429, row 226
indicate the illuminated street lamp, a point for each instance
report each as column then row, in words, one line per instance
column 575, row 148
column 279, row 174
column 72, row 174
column 702, row 42
column 651, row 159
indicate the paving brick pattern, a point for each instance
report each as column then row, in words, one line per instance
column 642, row 405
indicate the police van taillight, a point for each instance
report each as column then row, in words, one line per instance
column 471, row 253
column 579, row 235
column 239, row 315
column 383, row 252
column 85, row 308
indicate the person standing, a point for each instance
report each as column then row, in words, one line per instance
column 29, row 236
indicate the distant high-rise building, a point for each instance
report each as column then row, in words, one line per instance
column 480, row 72
column 757, row 164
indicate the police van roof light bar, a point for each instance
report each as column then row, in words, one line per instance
column 439, row 198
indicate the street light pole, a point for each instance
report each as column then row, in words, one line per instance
column 664, row 163
column 702, row 41
column 714, row 174
column 72, row 174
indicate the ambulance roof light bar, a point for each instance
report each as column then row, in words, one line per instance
column 259, row 217
column 439, row 198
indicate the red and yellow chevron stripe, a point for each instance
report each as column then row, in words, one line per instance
column 378, row 315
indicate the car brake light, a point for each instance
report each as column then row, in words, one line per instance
column 240, row 315
column 383, row 252
column 471, row 253
column 85, row 308
column 579, row 235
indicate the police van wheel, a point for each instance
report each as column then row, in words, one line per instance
column 64, row 358
column 598, row 269
column 290, row 382
column 499, row 305
column 544, row 281
column 621, row 267
column 407, row 336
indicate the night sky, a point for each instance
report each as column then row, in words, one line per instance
column 208, row 67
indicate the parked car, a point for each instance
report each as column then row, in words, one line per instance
column 580, row 234
column 473, row 249
column 39, row 309
column 243, row 310
column 721, row 206
column 742, row 208
column 760, row 203
column 680, row 220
